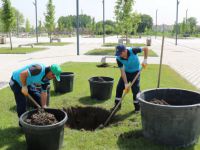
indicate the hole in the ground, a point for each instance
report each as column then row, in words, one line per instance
column 87, row 118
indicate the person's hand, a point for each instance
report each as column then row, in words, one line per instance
column 127, row 88
column 45, row 106
column 24, row 90
column 144, row 63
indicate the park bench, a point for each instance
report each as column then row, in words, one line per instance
column 21, row 45
column 123, row 40
column 55, row 39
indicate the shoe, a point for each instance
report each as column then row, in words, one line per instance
column 119, row 107
column 137, row 108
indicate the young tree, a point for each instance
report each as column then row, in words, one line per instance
column 40, row 27
column 135, row 22
column 18, row 20
column 28, row 26
column 123, row 13
column 192, row 24
column 50, row 18
column 7, row 18
column 145, row 24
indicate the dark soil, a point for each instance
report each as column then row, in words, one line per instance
column 157, row 101
column 86, row 118
column 103, row 65
column 42, row 118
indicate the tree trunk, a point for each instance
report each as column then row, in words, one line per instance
column 126, row 37
column 10, row 41
column 50, row 37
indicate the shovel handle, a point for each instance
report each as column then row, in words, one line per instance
column 113, row 112
column 31, row 98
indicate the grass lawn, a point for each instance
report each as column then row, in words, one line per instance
column 21, row 50
column 111, row 52
column 52, row 44
column 128, row 45
column 126, row 134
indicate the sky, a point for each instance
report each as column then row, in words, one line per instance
column 166, row 9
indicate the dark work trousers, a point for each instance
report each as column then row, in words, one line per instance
column 135, row 87
column 20, row 98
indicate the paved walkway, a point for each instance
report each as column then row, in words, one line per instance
column 182, row 58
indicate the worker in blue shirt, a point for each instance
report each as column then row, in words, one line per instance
column 23, row 80
column 129, row 64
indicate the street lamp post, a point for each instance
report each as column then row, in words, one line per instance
column 17, row 24
column 186, row 16
column 177, row 3
column 77, row 25
column 103, row 21
column 36, row 27
column 156, row 22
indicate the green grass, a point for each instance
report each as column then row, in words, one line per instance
column 128, row 45
column 111, row 52
column 22, row 50
column 52, row 44
column 126, row 134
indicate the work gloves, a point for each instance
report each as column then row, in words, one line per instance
column 144, row 63
column 24, row 90
column 127, row 88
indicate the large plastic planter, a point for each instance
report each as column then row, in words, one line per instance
column 178, row 124
column 49, row 137
column 101, row 90
column 66, row 83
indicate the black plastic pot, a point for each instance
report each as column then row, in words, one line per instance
column 66, row 83
column 177, row 124
column 49, row 137
column 101, row 87
column 29, row 103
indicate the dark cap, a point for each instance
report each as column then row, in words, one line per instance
column 120, row 49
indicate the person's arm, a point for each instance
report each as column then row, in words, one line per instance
column 144, row 63
column 23, row 76
column 145, row 49
column 43, row 99
column 44, row 94
column 123, row 75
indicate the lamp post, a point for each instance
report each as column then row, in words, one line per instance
column 156, row 23
column 77, row 25
column 177, row 3
column 103, row 21
column 186, row 16
column 36, row 28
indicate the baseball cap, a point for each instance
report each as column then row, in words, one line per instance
column 56, row 71
column 120, row 49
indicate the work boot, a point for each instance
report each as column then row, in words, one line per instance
column 119, row 107
column 137, row 108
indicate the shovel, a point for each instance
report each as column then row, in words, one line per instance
column 35, row 103
column 114, row 111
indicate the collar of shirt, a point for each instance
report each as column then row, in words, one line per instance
column 128, row 54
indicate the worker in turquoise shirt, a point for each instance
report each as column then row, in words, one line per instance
column 23, row 80
column 129, row 65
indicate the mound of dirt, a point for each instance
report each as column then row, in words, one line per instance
column 157, row 101
column 85, row 118
column 103, row 65
column 42, row 118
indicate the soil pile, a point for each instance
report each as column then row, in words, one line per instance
column 87, row 118
column 103, row 65
column 157, row 101
column 42, row 118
